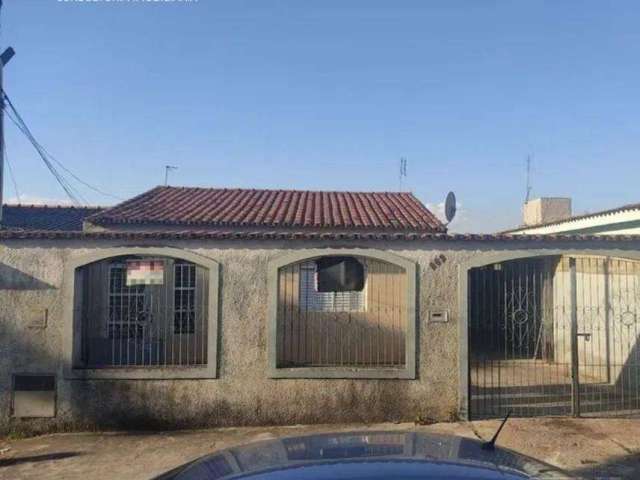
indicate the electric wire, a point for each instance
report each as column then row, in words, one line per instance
column 49, row 159
column 15, row 117
column 11, row 174
column 69, row 190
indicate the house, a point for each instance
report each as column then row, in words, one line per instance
column 544, row 216
column 187, row 307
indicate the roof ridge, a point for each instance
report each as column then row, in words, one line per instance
column 293, row 190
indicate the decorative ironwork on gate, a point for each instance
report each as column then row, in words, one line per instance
column 554, row 336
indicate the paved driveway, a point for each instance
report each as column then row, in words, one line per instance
column 593, row 448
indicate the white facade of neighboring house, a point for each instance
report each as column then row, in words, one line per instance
column 552, row 216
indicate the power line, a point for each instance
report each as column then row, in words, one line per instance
column 15, row 117
column 11, row 175
column 48, row 159
column 17, row 120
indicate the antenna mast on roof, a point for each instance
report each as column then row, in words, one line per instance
column 167, row 169
column 403, row 170
column 528, row 195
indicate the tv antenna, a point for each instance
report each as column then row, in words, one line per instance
column 167, row 169
column 403, row 170
column 528, row 195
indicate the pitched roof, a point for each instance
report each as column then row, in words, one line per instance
column 224, row 207
column 45, row 217
column 583, row 216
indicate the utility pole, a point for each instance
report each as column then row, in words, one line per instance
column 4, row 59
column 167, row 169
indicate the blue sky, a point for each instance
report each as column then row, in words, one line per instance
column 329, row 95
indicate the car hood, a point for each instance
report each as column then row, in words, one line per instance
column 360, row 455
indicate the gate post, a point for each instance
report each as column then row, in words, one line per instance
column 575, row 381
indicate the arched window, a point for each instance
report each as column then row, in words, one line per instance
column 142, row 310
column 344, row 314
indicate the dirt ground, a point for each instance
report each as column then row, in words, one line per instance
column 591, row 448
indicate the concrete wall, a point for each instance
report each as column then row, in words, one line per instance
column 32, row 282
column 544, row 210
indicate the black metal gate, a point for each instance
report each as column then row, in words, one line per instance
column 554, row 336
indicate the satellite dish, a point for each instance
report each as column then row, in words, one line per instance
column 450, row 206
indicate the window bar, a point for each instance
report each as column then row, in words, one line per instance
column 118, row 331
column 636, row 298
column 127, row 293
column 156, row 320
column 491, row 273
column 302, row 315
column 184, row 316
column 136, row 321
column 295, row 295
column 112, row 311
column 592, row 354
column 201, row 311
column 533, row 331
column 285, row 317
column 392, row 340
column 170, row 318
column 289, row 318
column 482, row 361
column 379, row 313
column 166, row 315
column 180, row 315
column 337, row 340
column 326, row 323
column 191, row 328
column 387, row 315
column 616, row 325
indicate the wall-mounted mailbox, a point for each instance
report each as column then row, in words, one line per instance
column 438, row 316
column 34, row 396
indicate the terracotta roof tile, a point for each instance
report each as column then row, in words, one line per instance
column 274, row 208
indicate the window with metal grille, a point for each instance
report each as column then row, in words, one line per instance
column 184, row 310
column 143, row 311
column 312, row 299
column 366, row 328
column 128, row 312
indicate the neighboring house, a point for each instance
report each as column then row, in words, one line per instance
column 545, row 216
column 187, row 307
column 45, row 217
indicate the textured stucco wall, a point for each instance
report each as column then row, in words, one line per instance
column 32, row 280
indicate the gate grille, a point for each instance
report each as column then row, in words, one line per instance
column 554, row 336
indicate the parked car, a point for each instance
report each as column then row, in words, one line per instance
column 365, row 455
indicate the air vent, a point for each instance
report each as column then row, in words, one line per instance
column 34, row 395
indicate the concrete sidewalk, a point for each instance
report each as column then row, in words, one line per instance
column 593, row 448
